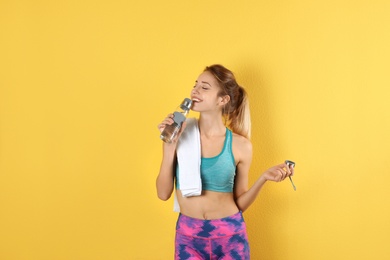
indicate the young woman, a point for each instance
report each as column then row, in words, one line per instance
column 211, row 226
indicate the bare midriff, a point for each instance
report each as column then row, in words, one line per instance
column 209, row 205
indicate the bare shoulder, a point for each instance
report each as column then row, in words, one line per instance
column 241, row 142
column 242, row 147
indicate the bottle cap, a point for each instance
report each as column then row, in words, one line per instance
column 186, row 104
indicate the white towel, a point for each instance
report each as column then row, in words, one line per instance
column 188, row 158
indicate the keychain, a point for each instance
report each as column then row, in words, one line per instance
column 293, row 165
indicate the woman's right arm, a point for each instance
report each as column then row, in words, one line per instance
column 166, row 176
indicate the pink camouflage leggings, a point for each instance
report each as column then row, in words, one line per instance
column 222, row 239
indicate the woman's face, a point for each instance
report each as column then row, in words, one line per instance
column 204, row 95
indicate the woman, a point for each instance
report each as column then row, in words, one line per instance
column 211, row 226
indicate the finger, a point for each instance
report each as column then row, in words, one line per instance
column 280, row 175
column 280, row 166
column 277, row 176
column 169, row 117
column 292, row 170
column 287, row 167
column 291, row 166
column 285, row 174
column 168, row 120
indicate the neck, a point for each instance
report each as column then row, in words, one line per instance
column 211, row 125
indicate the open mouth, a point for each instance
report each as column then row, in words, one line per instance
column 196, row 100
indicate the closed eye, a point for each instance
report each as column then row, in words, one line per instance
column 203, row 87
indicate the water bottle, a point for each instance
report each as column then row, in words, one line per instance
column 179, row 116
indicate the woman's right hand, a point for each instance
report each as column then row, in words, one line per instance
column 169, row 121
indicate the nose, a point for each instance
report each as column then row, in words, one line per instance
column 195, row 90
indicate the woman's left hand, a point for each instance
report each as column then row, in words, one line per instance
column 278, row 172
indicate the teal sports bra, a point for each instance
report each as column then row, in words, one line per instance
column 218, row 172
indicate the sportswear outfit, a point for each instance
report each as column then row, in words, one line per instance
column 224, row 238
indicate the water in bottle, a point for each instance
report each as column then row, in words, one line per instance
column 179, row 116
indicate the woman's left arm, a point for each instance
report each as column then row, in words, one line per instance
column 244, row 197
column 242, row 149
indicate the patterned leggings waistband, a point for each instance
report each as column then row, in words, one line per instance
column 211, row 228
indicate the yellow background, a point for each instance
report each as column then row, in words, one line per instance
column 83, row 85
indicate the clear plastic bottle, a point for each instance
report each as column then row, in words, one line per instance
column 179, row 116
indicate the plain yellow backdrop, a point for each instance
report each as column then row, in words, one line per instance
column 83, row 85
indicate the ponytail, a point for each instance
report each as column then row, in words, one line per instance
column 239, row 119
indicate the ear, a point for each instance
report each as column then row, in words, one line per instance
column 224, row 99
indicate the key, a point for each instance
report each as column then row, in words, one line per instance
column 293, row 165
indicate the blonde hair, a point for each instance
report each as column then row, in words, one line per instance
column 236, row 111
